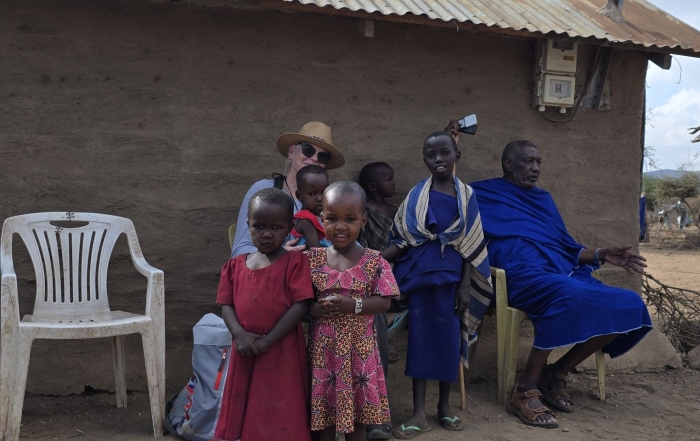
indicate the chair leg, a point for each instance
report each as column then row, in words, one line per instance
column 462, row 388
column 600, row 365
column 160, row 356
column 502, row 339
column 16, row 389
column 8, row 344
column 510, row 357
column 502, row 330
column 155, row 376
column 119, row 370
column 472, row 357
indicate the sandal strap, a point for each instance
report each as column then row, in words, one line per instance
column 533, row 393
column 560, row 377
column 554, row 394
column 521, row 401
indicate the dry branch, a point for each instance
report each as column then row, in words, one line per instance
column 677, row 308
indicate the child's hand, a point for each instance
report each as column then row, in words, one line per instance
column 262, row 345
column 316, row 311
column 339, row 305
column 245, row 343
column 462, row 299
column 292, row 245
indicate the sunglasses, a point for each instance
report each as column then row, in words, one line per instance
column 309, row 151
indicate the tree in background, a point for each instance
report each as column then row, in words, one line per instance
column 693, row 131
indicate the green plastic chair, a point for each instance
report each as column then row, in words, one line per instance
column 508, row 321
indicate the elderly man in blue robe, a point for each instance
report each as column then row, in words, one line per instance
column 549, row 277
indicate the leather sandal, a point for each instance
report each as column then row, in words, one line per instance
column 518, row 405
column 552, row 396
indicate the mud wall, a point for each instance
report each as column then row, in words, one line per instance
column 166, row 113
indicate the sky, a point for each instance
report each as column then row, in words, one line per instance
column 672, row 108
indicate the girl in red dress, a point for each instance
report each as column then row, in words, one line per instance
column 352, row 283
column 264, row 296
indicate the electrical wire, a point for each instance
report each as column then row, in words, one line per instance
column 680, row 75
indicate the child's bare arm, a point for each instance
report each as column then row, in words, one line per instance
column 306, row 228
column 392, row 253
column 462, row 298
column 346, row 305
column 285, row 324
column 243, row 339
column 317, row 311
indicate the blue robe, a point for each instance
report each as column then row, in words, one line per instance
column 528, row 239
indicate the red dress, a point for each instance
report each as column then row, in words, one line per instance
column 266, row 396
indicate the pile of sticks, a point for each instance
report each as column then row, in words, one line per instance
column 678, row 310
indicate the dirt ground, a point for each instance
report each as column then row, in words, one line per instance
column 650, row 406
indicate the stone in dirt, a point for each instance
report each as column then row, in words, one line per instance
column 693, row 358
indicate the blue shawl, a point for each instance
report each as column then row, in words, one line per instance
column 465, row 235
column 511, row 213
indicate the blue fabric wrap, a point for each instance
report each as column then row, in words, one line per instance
column 440, row 232
column 526, row 236
column 431, row 279
column 511, row 214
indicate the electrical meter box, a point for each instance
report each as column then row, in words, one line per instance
column 555, row 90
column 559, row 56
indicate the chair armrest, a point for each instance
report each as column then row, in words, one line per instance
column 500, row 290
column 155, row 292
column 144, row 268
column 9, row 303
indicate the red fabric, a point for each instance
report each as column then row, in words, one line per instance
column 266, row 396
column 306, row 214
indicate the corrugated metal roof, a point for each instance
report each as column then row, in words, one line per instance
column 645, row 24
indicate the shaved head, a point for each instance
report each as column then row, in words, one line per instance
column 337, row 190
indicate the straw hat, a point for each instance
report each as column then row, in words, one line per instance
column 315, row 133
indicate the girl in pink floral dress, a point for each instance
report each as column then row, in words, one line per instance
column 351, row 284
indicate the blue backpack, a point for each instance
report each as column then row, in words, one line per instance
column 194, row 413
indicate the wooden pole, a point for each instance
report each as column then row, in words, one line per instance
column 462, row 386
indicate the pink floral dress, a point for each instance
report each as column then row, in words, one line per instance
column 347, row 381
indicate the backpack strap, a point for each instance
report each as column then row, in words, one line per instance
column 278, row 181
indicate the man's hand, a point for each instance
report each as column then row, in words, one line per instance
column 290, row 246
column 453, row 129
column 624, row 258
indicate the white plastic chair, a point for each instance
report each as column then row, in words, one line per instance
column 70, row 253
